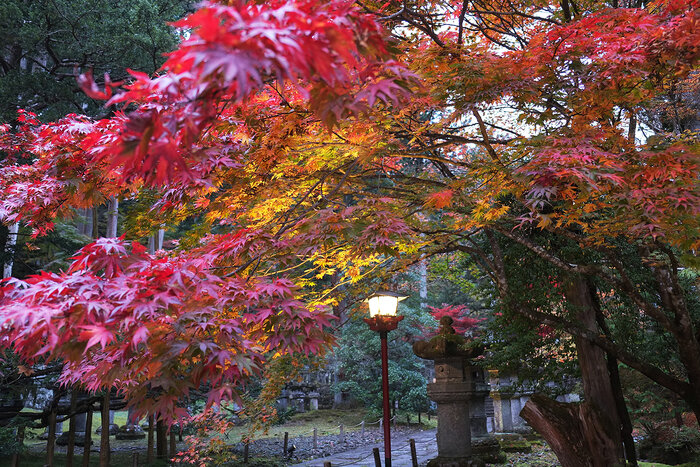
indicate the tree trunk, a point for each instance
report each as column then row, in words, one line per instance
column 597, row 388
column 686, row 336
column 51, row 442
column 586, row 434
column 689, row 352
column 70, row 449
column 577, row 433
column 161, row 440
column 20, row 441
column 159, row 239
column 173, row 443
column 12, row 232
column 112, row 217
column 95, row 223
column 104, row 438
column 632, row 130
column 622, row 412
column 626, row 422
column 87, row 227
column 88, row 436
column 149, row 449
column 423, row 269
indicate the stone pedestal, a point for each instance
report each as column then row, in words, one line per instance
column 313, row 400
column 283, row 401
column 452, row 398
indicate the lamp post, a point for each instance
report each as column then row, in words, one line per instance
column 383, row 318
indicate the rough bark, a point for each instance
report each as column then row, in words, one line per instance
column 622, row 412
column 575, row 432
column 597, row 388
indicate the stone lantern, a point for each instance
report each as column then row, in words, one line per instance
column 452, row 390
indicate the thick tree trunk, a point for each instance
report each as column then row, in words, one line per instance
column 622, row 412
column 577, row 433
column 597, row 388
column 586, row 434
column 104, row 438
column 88, row 436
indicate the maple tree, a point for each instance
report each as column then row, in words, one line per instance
column 117, row 339
column 287, row 131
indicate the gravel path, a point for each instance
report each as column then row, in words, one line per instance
column 326, row 445
column 541, row 455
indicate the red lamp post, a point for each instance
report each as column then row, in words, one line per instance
column 383, row 318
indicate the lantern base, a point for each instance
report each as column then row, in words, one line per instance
column 383, row 323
